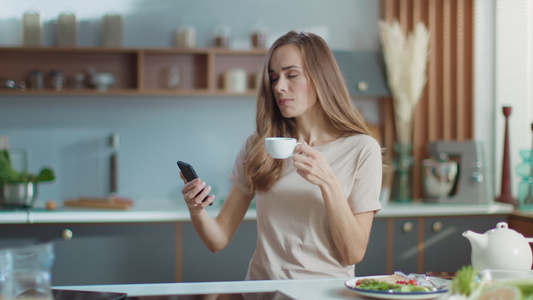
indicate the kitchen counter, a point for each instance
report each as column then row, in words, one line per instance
column 175, row 212
column 420, row 209
column 169, row 255
column 322, row 289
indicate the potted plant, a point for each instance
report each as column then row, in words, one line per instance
column 19, row 189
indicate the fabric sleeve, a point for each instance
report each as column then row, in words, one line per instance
column 366, row 189
column 238, row 175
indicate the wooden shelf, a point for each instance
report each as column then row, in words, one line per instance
column 141, row 71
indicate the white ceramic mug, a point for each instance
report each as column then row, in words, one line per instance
column 280, row 147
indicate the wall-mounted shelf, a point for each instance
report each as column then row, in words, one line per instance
column 136, row 71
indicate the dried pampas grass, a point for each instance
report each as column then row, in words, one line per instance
column 406, row 58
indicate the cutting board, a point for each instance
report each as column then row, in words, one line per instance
column 100, row 202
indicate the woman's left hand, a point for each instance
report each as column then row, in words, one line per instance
column 312, row 165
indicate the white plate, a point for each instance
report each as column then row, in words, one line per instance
column 392, row 295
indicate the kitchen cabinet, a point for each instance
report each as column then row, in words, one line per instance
column 143, row 71
column 375, row 260
column 422, row 244
column 152, row 251
column 200, row 264
column 125, row 253
column 102, row 253
column 405, row 244
column 364, row 72
column 445, row 248
column 522, row 222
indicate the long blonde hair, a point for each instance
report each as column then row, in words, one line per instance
column 262, row 171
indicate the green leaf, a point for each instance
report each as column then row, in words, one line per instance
column 9, row 175
column 46, row 174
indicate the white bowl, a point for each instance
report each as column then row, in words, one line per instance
column 102, row 81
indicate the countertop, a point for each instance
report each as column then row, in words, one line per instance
column 161, row 211
column 322, row 289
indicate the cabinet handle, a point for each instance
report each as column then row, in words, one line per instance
column 67, row 234
column 407, row 227
column 362, row 86
column 437, row 226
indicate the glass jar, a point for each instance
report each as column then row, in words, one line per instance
column 186, row 37
column 56, row 80
column 174, row 77
column 222, row 36
column 259, row 39
column 36, row 80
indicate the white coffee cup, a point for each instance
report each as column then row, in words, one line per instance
column 280, row 147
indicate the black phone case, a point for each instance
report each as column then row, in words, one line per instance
column 189, row 173
column 187, row 170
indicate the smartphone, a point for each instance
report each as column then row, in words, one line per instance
column 189, row 173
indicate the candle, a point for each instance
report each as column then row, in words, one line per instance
column 67, row 29
column 112, row 35
column 235, row 81
column 32, row 29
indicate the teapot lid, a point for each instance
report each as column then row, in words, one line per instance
column 502, row 229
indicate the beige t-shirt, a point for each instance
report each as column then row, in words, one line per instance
column 293, row 234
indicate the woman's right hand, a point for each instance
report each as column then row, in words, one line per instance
column 195, row 192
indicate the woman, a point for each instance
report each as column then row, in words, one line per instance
column 314, row 210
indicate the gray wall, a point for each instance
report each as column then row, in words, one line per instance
column 345, row 24
column 69, row 133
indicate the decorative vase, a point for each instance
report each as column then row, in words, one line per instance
column 403, row 162
column 506, row 196
column 525, row 187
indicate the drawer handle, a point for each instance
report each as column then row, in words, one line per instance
column 437, row 226
column 407, row 227
column 67, row 234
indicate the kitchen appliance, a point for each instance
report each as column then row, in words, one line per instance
column 440, row 175
column 469, row 184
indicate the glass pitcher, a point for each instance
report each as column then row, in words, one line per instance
column 30, row 275
column 5, row 269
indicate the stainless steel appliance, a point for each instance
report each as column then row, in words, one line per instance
column 469, row 184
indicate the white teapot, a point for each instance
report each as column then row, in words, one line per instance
column 500, row 248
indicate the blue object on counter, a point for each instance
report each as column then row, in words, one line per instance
column 525, row 187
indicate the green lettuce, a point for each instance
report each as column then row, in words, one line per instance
column 465, row 282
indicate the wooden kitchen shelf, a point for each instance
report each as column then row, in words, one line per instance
column 137, row 71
